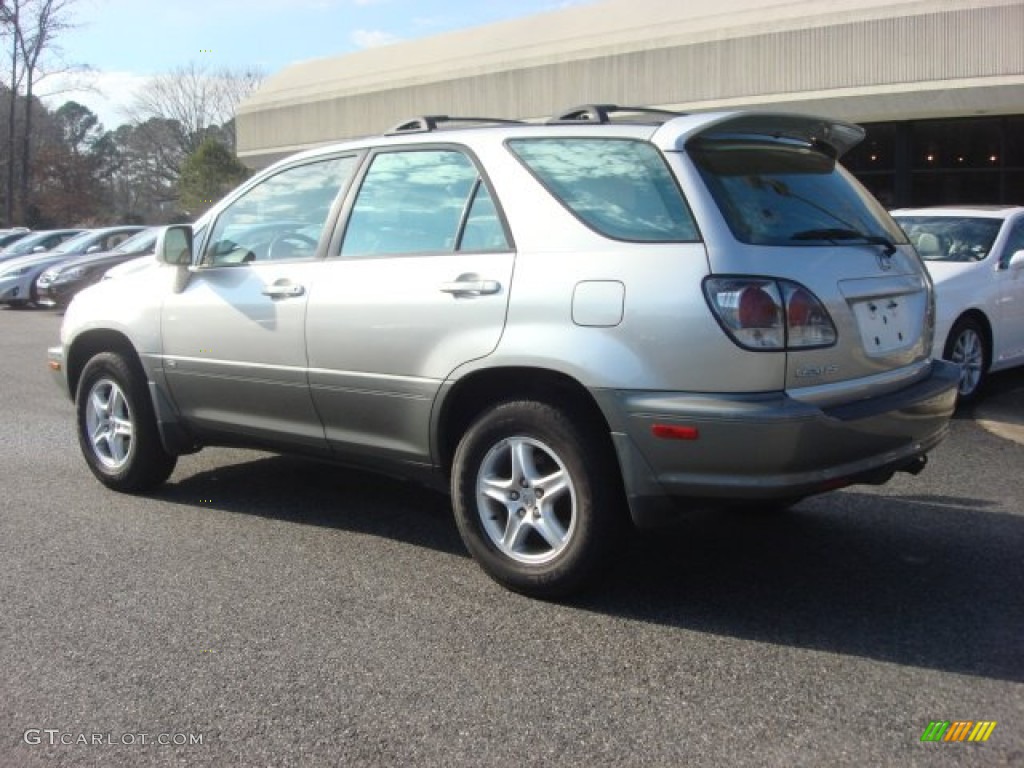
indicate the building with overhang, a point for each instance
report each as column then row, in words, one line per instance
column 939, row 84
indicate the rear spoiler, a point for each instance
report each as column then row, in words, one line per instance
column 833, row 136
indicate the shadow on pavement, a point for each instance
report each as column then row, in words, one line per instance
column 923, row 581
column 312, row 493
column 927, row 581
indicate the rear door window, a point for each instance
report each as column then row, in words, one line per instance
column 622, row 188
column 423, row 201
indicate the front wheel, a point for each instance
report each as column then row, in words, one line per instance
column 117, row 429
column 967, row 348
column 537, row 498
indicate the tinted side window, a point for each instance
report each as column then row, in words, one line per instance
column 422, row 201
column 112, row 241
column 282, row 217
column 620, row 187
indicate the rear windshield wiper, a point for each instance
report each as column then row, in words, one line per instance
column 846, row 234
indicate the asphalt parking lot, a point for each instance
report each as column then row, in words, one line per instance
column 293, row 614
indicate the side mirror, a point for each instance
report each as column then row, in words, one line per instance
column 174, row 245
column 39, row 249
column 1016, row 261
column 93, row 249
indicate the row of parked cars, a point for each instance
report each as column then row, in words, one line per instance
column 48, row 267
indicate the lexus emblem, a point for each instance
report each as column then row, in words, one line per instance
column 885, row 261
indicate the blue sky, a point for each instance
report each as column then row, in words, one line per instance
column 123, row 41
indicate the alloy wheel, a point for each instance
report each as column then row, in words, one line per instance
column 108, row 421
column 969, row 353
column 526, row 500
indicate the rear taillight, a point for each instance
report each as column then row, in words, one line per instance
column 769, row 314
column 808, row 322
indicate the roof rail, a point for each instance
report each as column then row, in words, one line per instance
column 428, row 123
column 602, row 113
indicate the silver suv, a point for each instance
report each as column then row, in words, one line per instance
column 570, row 325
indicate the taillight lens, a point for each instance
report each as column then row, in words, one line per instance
column 769, row 314
column 808, row 322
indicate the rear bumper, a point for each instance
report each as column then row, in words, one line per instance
column 770, row 446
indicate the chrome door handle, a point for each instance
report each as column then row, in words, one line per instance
column 471, row 287
column 283, row 290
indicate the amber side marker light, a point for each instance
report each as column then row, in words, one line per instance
column 54, row 365
column 673, row 432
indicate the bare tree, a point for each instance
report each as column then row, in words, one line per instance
column 32, row 26
column 201, row 101
column 10, row 15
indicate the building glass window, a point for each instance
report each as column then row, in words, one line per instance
column 873, row 161
column 957, row 161
column 944, row 145
column 1015, row 142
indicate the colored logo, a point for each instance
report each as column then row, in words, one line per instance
column 958, row 730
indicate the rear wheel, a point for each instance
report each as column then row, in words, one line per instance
column 967, row 346
column 117, row 429
column 537, row 499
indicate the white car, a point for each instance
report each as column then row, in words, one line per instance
column 975, row 255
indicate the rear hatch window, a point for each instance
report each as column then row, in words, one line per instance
column 621, row 188
column 773, row 193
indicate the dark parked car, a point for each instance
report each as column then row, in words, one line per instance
column 18, row 276
column 58, row 285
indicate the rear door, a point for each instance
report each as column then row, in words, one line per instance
column 417, row 284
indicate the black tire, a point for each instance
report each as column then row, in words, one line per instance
column 560, row 513
column 117, row 429
column 967, row 346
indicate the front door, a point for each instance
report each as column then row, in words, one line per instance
column 234, row 338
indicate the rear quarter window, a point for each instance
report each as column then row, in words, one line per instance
column 621, row 188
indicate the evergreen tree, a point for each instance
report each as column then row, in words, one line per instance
column 207, row 174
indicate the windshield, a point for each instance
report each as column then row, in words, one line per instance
column 143, row 241
column 26, row 244
column 77, row 243
column 950, row 238
column 793, row 195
